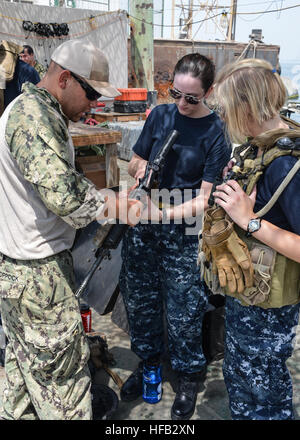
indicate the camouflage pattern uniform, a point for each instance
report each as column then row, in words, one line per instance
column 259, row 341
column 47, row 353
column 159, row 272
column 41, row 70
column 47, row 376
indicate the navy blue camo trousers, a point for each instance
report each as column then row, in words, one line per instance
column 159, row 273
column 258, row 343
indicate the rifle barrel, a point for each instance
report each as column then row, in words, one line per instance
column 96, row 264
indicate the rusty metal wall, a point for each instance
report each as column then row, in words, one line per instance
column 168, row 52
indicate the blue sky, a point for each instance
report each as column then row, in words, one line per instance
column 281, row 27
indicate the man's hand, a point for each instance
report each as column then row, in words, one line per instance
column 120, row 206
column 128, row 210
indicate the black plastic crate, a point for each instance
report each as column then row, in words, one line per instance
column 130, row 106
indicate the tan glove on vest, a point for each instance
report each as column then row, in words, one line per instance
column 230, row 256
column 212, row 216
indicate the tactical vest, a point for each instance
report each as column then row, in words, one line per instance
column 9, row 53
column 284, row 284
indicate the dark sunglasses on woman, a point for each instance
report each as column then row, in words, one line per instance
column 190, row 99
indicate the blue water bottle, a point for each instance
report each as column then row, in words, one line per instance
column 152, row 383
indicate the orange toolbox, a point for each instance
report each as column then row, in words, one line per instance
column 132, row 95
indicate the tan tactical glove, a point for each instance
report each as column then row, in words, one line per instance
column 211, row 216
column 230, row 256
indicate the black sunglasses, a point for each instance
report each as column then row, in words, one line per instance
column 90, row 93
column 190, row 99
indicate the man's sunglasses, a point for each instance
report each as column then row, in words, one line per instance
column 190, row 99
column 90, row 93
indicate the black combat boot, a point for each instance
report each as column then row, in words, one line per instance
column 132, row 389
column 187, row 389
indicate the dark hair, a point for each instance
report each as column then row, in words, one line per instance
column 198, row 66
column 29, row 49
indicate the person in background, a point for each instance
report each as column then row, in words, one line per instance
column 44, row 202
column 159, row 260
column 27, row 55
column 23, row 73
column 261, row 321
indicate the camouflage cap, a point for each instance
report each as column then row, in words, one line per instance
column 88, row 62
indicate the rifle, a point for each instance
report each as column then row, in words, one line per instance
column 117, row 231
column 219, row 180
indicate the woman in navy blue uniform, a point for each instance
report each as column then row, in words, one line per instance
column 259, row 336
column 159, row 273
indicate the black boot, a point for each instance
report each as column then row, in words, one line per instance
column 188, row 386
column 133, row 387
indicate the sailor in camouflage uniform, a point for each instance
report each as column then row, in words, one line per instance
column 27, row 55
column 44, row 201
column 41, row 70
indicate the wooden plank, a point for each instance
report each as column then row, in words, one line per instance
column 83, row 134
column 112, row 168
column 117, row 117
column 96, row 139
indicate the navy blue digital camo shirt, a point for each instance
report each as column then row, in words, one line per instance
column 199, row 153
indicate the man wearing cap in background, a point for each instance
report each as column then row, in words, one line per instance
column 44, row 201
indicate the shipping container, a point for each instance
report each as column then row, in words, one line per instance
column 168, row 52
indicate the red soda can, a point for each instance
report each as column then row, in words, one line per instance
column 86, row 316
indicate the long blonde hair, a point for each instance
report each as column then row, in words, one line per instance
column 248, row 91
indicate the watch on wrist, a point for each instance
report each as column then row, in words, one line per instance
column 253, row 226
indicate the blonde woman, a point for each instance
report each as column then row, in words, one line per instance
column 260, row 329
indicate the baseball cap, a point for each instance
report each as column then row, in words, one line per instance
column 88, row 62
